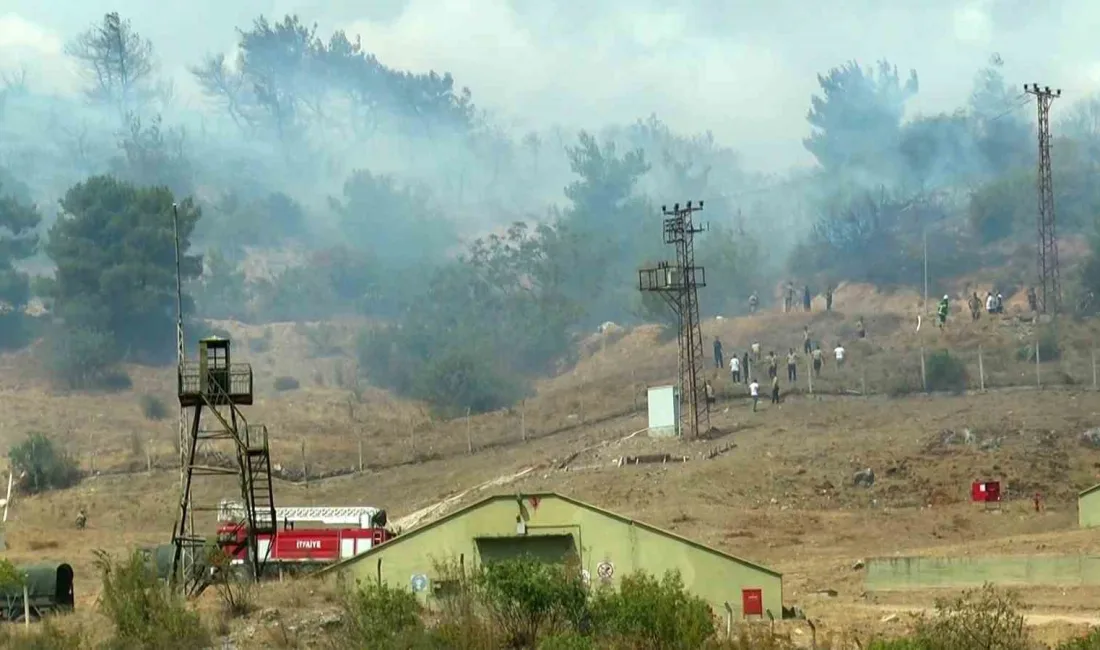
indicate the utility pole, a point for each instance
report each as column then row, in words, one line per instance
column 679, row 283
column 924, row 303
column 1050, row 291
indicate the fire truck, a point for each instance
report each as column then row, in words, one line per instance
column 305, row 538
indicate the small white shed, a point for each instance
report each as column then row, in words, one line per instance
column 664, row 411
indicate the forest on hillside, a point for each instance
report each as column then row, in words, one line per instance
column 318, row 182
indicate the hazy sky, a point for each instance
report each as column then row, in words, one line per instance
column 744, row 69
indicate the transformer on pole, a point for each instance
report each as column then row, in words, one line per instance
column 678, row 283
column 1050, row 290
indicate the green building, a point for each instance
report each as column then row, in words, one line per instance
column 1088, row 507
column 555, row 527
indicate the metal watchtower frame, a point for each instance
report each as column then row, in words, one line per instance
column 216, row 385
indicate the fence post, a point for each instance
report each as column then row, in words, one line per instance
column 360, row 454
column 305, row 466
column 634, row 388
column 810, row 373
column 523, row 420
column 863, row 382
column 981, row 369
column 149, row 457
column 1038, row 372
column 923, row 374
column 469, row 437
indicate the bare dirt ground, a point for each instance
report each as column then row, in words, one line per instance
column 782, row 496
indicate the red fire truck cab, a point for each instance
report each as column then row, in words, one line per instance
column 305, row 537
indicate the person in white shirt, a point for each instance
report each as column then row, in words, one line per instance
column 839, row 352
column 755, row 351
column 989, row 302
column 754, row 391
column 735, row 369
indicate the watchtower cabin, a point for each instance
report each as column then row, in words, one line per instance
column 215, row 380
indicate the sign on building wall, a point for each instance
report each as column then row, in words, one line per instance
column 419, row 582
column 605, row 570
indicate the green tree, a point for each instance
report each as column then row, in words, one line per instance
column 1001, row 131
column 856, row 120
column 42, row 466
column 395, row 222
column 113, row 247
column 151, row 154
column 18, row 241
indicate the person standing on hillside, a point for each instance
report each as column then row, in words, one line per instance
column 792, row 366
column 817, row 357
column 745, row 366
column 775, row 390
column 753, row 301
column 754, row 392
column 1032, row 300
column 943, row 309
column 773, row 365
column 975, row 304
column 861, row 330
column 806, row 339
column 829, row 298
column 717, row 352
column 839, row 353
column 806, row 299
column 735, row 369
column 756, row 351
column 989, row 302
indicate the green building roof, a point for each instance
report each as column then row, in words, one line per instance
column 1088, row 491
column 541, row 495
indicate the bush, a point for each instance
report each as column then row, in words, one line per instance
column 943, row 372
column 142, row 612
column 261, row 344
column 44, row 636
column 84, row 359
column 1090, row 641
column 286, row 383
column 528, row 598
column 984, row 618
column 380, row 616
column 42, row 465
column 152, row 407
column 234, row 591
column 653, row 614
column 1049, row 347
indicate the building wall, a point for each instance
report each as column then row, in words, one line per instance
column 598, row 538
column 1088, row 510
column 901, row 573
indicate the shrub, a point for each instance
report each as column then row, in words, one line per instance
column 1090, row 641
column 234, row 591
column 653, row 614
column 152, row 407
column 46, row 635
column 42, row 465
column 527, row 598
column 261, row 344
column 380, row 616
column 142, row 612
column 944, row 372
column 286, row 383
column 1049, row 347
column 84, row 359
column 979, row 618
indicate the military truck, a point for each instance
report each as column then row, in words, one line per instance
column 49, row 590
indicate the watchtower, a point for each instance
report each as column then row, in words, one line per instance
column 217, row 385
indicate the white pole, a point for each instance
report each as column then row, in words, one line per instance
column 7, row 500
column 923, row 375
column 26, row 604
column 469, row 437
column 523, row 420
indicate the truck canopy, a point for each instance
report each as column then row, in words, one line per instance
column 52, row 582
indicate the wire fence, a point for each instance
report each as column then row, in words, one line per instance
column 868, row 370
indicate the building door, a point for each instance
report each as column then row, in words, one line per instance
column 556, row 549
